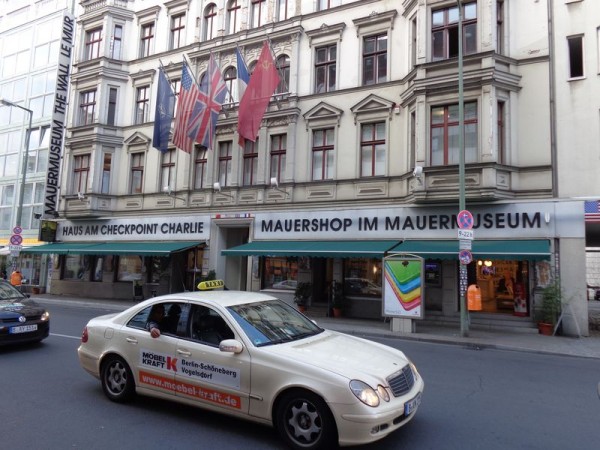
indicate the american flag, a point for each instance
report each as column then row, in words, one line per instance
column 188, row 93
column 592, row 211
column 203, row 120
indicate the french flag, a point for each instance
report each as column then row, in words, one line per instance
column 242, row 75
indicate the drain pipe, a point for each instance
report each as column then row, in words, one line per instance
column 552, row 93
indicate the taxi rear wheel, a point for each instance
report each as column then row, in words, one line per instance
column 117, row 380
column 304, row 421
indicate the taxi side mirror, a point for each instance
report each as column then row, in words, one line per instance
column 231, row 346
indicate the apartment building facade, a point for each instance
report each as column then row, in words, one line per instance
column 356, row 156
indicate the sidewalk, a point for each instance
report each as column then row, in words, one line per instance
column 587, row 347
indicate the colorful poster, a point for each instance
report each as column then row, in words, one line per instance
column 403, row 287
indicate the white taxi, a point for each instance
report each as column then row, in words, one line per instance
column 255, row 357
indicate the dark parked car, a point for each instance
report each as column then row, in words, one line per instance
column 21, row 319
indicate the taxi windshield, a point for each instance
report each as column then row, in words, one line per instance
column 272, row 322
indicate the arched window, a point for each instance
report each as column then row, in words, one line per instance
column 210, row 13
column 283, row 67
column 233, row 16
column 230, row 77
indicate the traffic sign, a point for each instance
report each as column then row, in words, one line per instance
column 466, row 234
column 15, row 250
column 17, row 230
column 465, row 220
column 465, row 257
column 464, row 244
column 16, row 239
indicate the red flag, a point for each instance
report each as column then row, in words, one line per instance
column 188, row 94
column 253, row 105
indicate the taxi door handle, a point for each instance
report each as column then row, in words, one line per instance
column 184, row 353
column 131, row 340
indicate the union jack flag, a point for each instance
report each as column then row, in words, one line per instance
column 205, row 113
column 592, row 211
column 188, row 93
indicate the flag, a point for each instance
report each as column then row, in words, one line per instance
column 163, row 115
column 188, row 93
column 203, row 119
column 253, row 105
column 592, row 211
column 242, row 75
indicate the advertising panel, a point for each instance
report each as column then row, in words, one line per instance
column 403, row 289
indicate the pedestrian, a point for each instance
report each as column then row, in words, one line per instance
column 16, row 279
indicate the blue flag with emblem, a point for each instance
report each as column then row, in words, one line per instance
column 163, row 115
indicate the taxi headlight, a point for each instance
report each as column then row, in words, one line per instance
column 383, row 393
column 364, row 393
column 45, row 316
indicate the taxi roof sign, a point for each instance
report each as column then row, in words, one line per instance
column 210, row 284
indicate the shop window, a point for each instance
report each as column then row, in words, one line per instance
column 76, row 267
column 504, row 286
column 362, row 277
column 129, row 268
column 280, row 273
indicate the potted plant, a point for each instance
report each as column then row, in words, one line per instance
column 302, row 295
column 550, row 308
column 337, row 298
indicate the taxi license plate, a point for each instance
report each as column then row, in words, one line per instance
column 23, row 329
column 411, row 405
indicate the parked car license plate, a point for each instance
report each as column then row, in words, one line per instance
column 411, row 405
column 23, row 329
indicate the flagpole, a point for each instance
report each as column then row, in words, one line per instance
column 276, row 67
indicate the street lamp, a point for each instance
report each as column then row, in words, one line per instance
column 25, row 157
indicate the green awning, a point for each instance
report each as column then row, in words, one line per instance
column 147, row 248
column 532, row 249
column 59, row 248
column 320, row 249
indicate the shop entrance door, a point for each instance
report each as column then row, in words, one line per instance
column 322, row 274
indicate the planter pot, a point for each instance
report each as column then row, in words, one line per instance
column 545, row 328
column 337, row 312
column 35, row 290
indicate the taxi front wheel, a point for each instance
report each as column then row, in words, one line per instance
column 117, row 380
column 305, row 422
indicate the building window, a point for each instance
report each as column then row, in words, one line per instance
column 413, row 42
column 147, row 41
column 322, row 154
column 93, row 41
column 326, row 4
column 41, row 99
column 177, row 31
column 112, row 107
column 117, row 42
column 87, row 106
column 250, row 162
column 230, row 77
column 37, row 156
column 372, row 149
column 278, row 150
column 210, row 12
column 10, row 148
column 142, row 103
column 325, row 68
column 282, row 10
column 105, row 181
column 283, row 67
column 444, row 31
column 501, row 133
column 7, row 200
column 258, row 13
column 233, row 15
column 375, row 59
column 167, row 169
column 500, row 34
column 444, row 134
column 137, row 173
column 575, row 56
column 225, row 157
column 81, row 171
column 200, row 166
column 176, row 86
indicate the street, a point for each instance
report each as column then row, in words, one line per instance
column 486, row 399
